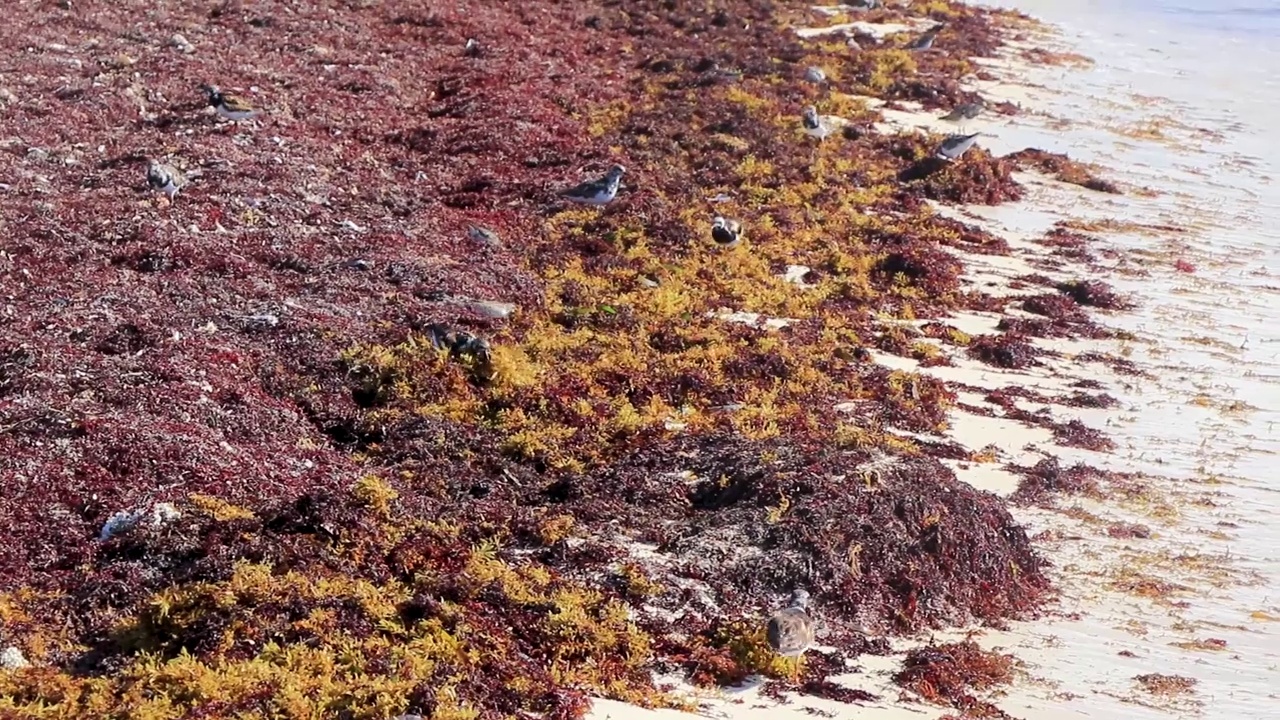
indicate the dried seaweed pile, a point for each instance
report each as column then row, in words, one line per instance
column 370, row 524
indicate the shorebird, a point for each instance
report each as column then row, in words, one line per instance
column 965, row 111
column 956, row 145
column 484, row 236
column 726, row 233
column 600, row 191
column 925, row 41
column 459, row 343
column 231, row 107
column 165, row 178
column 791, row 629
column 815, row 125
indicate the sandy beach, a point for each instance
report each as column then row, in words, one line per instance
column 301, row 442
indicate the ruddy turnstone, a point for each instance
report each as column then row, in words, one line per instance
column 816, row 125
column 791, row 630
column 459, row 343
column 231, row 107
column 600, row 191
column 165, row 178
column 726, row 233
column 956, row 145
column 925, row 41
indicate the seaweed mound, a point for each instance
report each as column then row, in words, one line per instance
column 301, row 442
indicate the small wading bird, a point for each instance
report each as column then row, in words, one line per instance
column 791, row 630
column 165, row 178
column 815, row 125
column 459, row 343
column 726, row 233
column 600, row 191
column 925, row 41
column 484, row 236
column 956, row 145
column 966, row 111
column 231, row 107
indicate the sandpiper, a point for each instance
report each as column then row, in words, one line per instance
column 484, row 236
column 600, row 191
column 165, row 178
column 815, row 125
column 965, row 111
column 726, row 233
column 231, row 107
column 791, row 630
column 925, row 41
column 956, row 145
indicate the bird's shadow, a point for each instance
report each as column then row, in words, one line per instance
column 752, row 682
column 922, row 168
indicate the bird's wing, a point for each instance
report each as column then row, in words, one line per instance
column 588, row 188
column 236, row 103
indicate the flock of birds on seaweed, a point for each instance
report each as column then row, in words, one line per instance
column 792, row 630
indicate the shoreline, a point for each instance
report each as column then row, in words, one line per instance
column 618, row 592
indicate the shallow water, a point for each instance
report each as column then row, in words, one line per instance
column 1241, row 18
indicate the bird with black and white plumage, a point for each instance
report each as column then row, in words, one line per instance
column 956, row 146
column 791, row 630
column 726, row 233
column 459, row 343
column 229, row 106
column 600, row 191
column 925, row 41
column 165, row 177
column 815, row 125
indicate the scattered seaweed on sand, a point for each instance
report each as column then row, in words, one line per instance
column 949, row 674
column 1166, row 685
column 1125, row 531
column 1009, row 350
column 1202, row 644
column 1043, row 56
column 1069, row 244
column 1063, row 168
column 1041, row 484
column 1060, row 316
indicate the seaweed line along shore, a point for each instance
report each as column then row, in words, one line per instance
column 509, row 360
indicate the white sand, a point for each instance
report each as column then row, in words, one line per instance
column 1202, row 434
